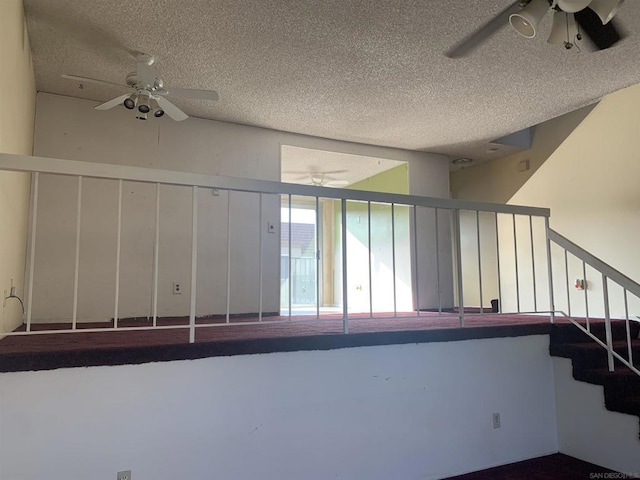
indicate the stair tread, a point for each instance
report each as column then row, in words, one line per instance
column 635, row 344
column 618, row 372
column 631, row 402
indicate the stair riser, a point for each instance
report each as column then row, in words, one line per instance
column 572, row 334
column 592, row 357
column 620, row 406
column 612, row 383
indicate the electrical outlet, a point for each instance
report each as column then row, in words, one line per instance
column 271, row 227
column 124, row 475
column 496, row 420
column 177, row 288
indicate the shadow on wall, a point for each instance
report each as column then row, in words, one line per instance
column 498, row 180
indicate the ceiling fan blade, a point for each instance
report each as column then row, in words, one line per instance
column 602, row 36
column 314, row 172
column 298, row 177
column 336, row 183
column 170, row 109
column 94, row 80
column 112, row 103
column 483, row 33
column 190, row 93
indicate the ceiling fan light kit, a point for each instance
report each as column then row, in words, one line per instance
column 130, row 102
column 526, row 21
column 147, row 92
column 573, row 6
column 564, row 30
column 573, row 20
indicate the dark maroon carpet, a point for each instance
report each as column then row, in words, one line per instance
column 551, row 467
column 49, row 350
column 239, row 330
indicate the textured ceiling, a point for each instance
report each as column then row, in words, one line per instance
column 364, row 71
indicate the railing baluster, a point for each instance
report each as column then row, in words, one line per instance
column 566, row 275
column 317, row 257
column 393, row 257
column 290, row 261
column 74, row 318
column 458, row 240
column 515, row 253
column 156, row 258
column 260, row 234
column 415, row 258
column 32, row 246
column 498, row 264
column 438, row 265
column 628, row 328
column 479, row 260
column 586, row 299
column 118, row 244
column 607, row 322
column 552, row 307
column 533, row 266
column 369, row 251
column 228, row 313
column 345, row 288
column 194, row 264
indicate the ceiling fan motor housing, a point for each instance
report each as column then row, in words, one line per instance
column 134, row 81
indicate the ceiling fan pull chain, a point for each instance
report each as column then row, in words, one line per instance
column 568, row 45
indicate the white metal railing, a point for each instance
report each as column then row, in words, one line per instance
column 607, row 274
column 442, row 269
column 454, row 255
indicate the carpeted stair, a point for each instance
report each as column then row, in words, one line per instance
column 589, row 360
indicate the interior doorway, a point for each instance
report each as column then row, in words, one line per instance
column 299, row 269
column 312, row 275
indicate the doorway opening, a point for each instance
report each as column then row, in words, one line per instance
column 299, row 270
column 378, row 260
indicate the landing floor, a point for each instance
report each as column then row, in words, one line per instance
column 245, row 335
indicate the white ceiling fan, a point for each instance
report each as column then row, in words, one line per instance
column 571, row 19
column 320, row 179
column 146, row 92
column 324, row 180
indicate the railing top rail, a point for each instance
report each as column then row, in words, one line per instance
column 590, row 259
column 27, row 163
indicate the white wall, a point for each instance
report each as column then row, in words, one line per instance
column 17, row 97
column 418, row 411
column 588, row 431
column 70, row 128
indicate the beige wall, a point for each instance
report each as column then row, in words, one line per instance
column 589, row 181
column 498, row 180
column 70, row 128
column 17, row 97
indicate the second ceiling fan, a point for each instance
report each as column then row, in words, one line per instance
column 571, row 19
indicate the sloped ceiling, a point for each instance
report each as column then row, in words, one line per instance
column 364, row 71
